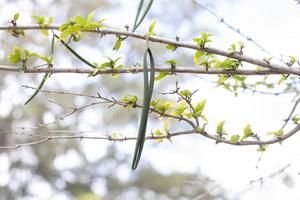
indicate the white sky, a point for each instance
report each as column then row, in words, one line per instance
column 275, row 25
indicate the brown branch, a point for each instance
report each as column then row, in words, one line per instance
column 183, row 70
column 113, row 102
column 107, row 31
column 151, row 137
column 203, row 133
column 46, row 138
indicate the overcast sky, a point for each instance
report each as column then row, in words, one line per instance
column 275, row 25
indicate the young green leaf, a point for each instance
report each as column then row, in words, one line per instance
column 16, row 57
column 16, row 16
column 203, row 117
column 277, row 133
column 197, row 56
column 90, row 17
column 161, row 75
column 158, row 132
column 282, row 79
column 296, row 119
column 199, row 107
column 261, row 148
column 40, row 20
column 162, row 105
column 247, row 132
column 172, row 62
column 203, row 40
column 234, row 138
column 220, row 128
column 228, row 63
column 118, row 44
column 79, row 23
column 186, row 93
column 171, row 47
column 130, row 100
column 151, row 29
column 180, row 108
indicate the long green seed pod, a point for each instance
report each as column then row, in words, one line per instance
column 137, row 14
column 148, row 90
column 136, row 22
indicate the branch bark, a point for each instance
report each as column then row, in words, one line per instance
column 179, row 70
column 108, row 31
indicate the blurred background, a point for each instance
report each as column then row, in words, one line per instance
column 188, row 167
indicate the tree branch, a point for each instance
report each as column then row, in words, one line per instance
column 179, row 70
column 107, row 31
column 214, row 137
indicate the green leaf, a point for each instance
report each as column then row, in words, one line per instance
column 197, row 56
column 292, row 60
column 130, row 99
column 69, row 31
column 16, row 57
column 45, row 32
column 105, row 65
column 26, row 53
column 268, row 59
column 151, row 28
column 162, row 105
column 220, row 128
column 234, row 138
column 50, row 20
column 227, row 64
column 222, row 79
column 13, row 59
column 186, row 93
column 199, row 107
column 158, row 132
column 261, row 148
column 232, row 49
column 172, row 62
column 16, row 16
column 80, row 20
column 282, row 79
column 203, row 40
column 40, row 20
column 90, row 17
column 167, row 105
column 171, row 47
column 118, row 44
column 95, row 72
column 189, row 115
column 180, row 108
column 201, row 129
column 161, row 75
column 203, row 117
column 278, row 133
column 77, row 36
column 296, row 119
column 247, row 132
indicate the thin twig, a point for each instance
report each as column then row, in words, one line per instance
column 291, row 113
column 203, row 133
column 229, row 26
column 274, row 174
